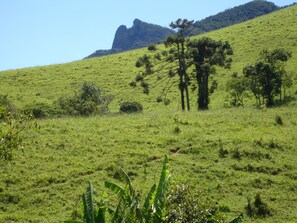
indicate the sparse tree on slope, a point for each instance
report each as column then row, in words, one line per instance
column 168, row 64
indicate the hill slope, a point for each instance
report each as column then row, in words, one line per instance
column 114, row 73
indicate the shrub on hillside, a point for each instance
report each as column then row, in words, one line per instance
column 13, row 129
column 258, row 208
column 5, row 106
column 88, row 100
column 131, row 107
column 182, row 206
column 43, row 110
column 278, row 120
column 152, row 47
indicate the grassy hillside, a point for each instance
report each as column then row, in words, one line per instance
column 44, row 181
column 114, row 73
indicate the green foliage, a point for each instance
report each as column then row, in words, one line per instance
column 207, row 53
column 266, row 76
column 237, row 86
column 12, row 133
column 169, row 64
column 278, row 120
column 5, row 106
column 43, row 110
column 183, row 206
column 152, row 47
column 131, row 107
column 128, row 208
column 179, row 205
column 204, row 54
column 233, row 16
column 258, row 208
column 92, row 213
column 89, row 100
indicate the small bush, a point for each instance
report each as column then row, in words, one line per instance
column 43, row 110
column 6, row 103
column 5, row 106
column 183, row 206
column 166, row 101
column 278, row 120
column 258, row 208
column 13, row 130
column 223, row 152
column 159, row 99
column 236, row 154
column 131, row 107
column 152, row 47
column 177, row 130
column 132, row 84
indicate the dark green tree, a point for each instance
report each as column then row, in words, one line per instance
column 237, row 87
column 206, row 54
column 168, row 64
column 266, row 76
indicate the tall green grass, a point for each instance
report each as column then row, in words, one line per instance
column 44, row 181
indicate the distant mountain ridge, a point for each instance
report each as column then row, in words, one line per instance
column 233, row 16
column 142, row 33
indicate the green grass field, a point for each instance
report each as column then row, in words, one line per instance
column 43, row 182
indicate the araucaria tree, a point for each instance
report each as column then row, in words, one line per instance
column 168, row 64
column 268, row 76
column 206, row 54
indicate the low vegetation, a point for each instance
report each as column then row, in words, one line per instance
column 131, row 107
column 13, row 129
column 160, row 205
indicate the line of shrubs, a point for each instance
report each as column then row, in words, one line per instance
column 87, row 100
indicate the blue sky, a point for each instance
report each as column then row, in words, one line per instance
column 42, row 32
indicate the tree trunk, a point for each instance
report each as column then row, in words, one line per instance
column 181, row 89
column 185, row 75
column 202, row 81
column 270, row 101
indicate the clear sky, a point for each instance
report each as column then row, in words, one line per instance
column 42, row 32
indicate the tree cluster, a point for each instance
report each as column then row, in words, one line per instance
column 172, row 65
column 266, row 79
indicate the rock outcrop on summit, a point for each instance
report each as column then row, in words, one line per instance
column 139, row 35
